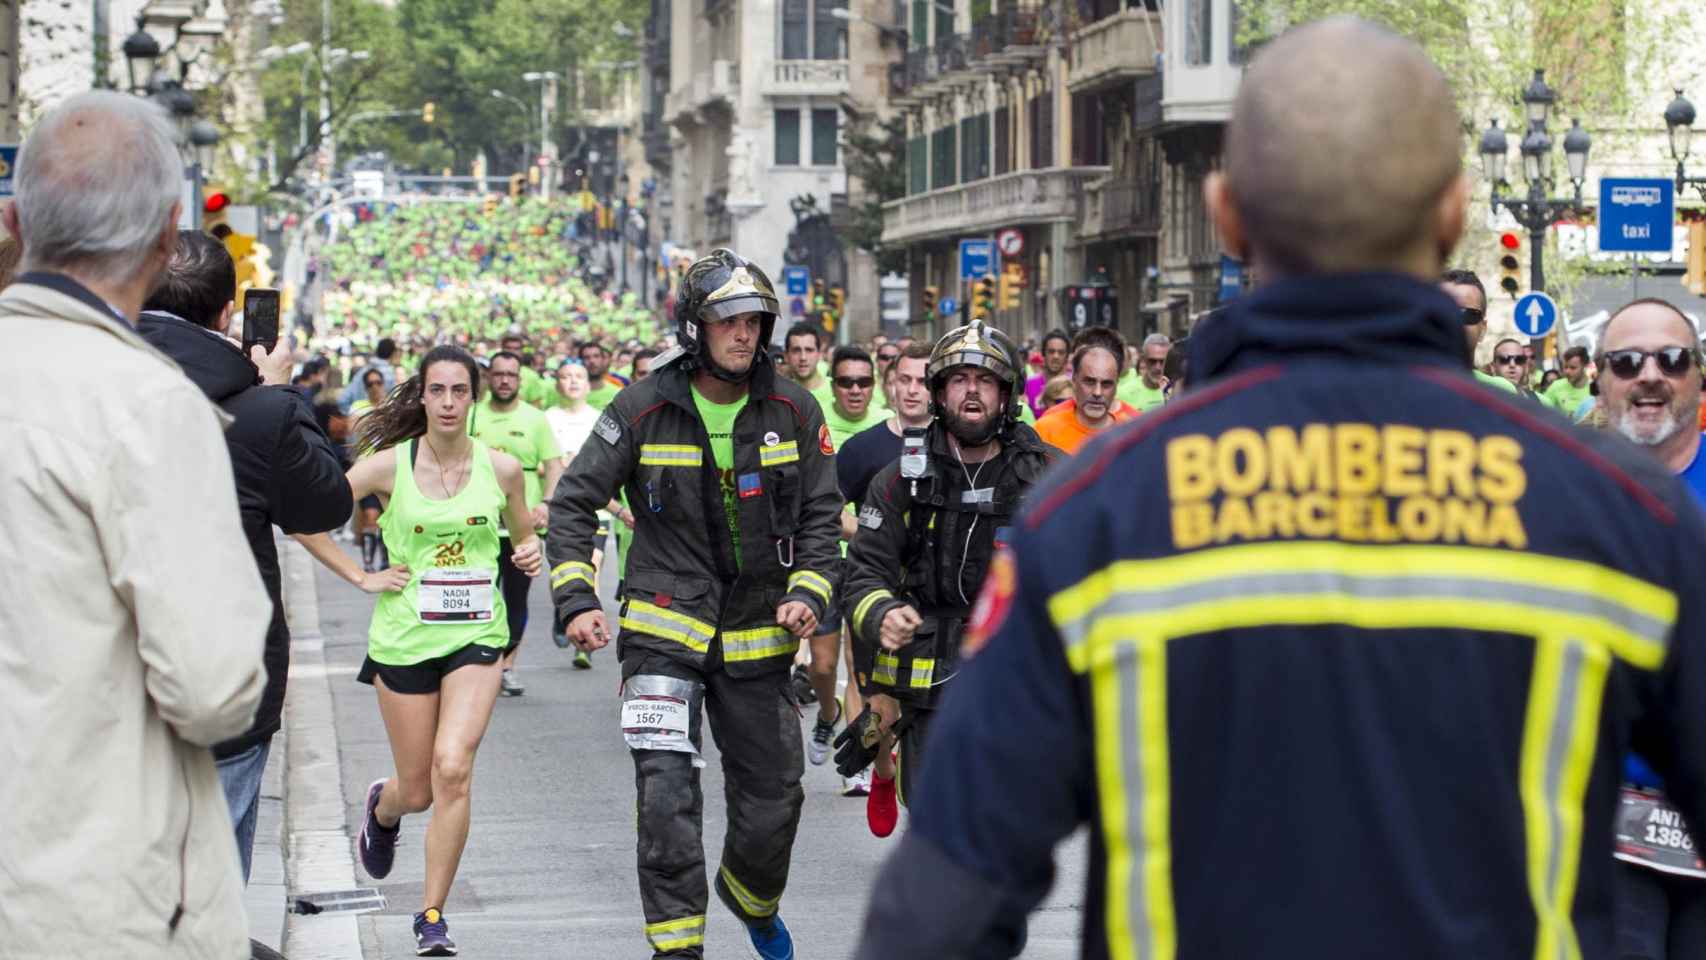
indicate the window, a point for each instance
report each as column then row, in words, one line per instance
column 825, row 127
column 810, row 30
column 1199, row 32
column 1042, row 130
column 942, row 158
column 974, row 148
column 787, row 138
column 920, row 23
column 1003, row 141
column 917, row 165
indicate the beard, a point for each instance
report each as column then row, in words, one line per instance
column 503, row 394
column 1650, row 434
column 971, row 434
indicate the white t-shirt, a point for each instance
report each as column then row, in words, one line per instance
column 571, row 428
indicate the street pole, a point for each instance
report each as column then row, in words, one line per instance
column 326, row 144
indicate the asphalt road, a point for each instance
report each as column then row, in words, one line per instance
column 549, row 868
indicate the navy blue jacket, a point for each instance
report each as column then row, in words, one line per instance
column 1337, row 655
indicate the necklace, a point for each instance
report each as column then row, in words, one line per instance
column 444, row 482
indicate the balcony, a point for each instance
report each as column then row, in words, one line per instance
column 717, row 85
column 808, row 78
column 1024, row 196
column 1119, row 208
column 1114, row 50
column 1147, row 93
column 1014, row 35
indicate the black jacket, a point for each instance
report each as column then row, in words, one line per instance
column 686, row 594
column 287, row 472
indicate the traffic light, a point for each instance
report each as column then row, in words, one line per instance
column 490, row 204
column 982, row 298
column 931, row 295
column 426, row 112
column 517, row 185
column 826, row 319
column 1012, row 286
column 837, row 299
column 215, row 208
column 1694, row 276
column 1510, row 262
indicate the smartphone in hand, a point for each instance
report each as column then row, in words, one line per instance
column 260, row 319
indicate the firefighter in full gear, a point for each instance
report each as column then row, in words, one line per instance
column 928, row 527
column 730, row 472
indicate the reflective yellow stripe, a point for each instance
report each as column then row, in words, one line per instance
column 864, row 607
column 671, row 455
column 887, row 664
column 752, row 904
column 756, row 644
column 786, row 452
column 814, row 582
column 675, row 934
column 572, row 570
column 652, row 619
column 923, row 673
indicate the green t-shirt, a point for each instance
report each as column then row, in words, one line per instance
column 1497, row 383
column 842, row 429
column 719, row 421
column 1565, row 398
column 523, row 433
column 1135, row 394
column 603, row 392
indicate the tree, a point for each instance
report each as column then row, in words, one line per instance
column 874, row 150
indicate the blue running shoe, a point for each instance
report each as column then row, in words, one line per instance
column 432, row 935
column 376, row 845
column 772, row 942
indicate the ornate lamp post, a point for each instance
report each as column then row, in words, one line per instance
column 1535, row 211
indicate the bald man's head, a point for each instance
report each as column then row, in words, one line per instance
column 1343, row 154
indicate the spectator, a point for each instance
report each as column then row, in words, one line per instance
column 382, row 356
column 288, row 473
column 133, row 632
column 312, row 378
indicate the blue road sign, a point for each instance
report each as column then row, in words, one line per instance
column 1231, row 278
column 948, row 307
column 1536, row 314
column 796, row 307
column 1635, row 215
column 798, row 280
column 8, row 163
column 977, row 259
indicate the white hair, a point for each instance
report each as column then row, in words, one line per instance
column 1157, row 340
column 97, row 199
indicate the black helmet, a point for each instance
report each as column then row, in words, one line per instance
column 717, row 286
column 977, row 344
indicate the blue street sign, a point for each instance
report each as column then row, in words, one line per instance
column 1635, row 215
column 948, row 307
column 8, row 163
column 798, row 280
column 977, row 259
column 796, row 307
column 1231, row 278
column 1536, row 314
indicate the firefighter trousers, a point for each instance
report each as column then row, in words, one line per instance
column 756, row 728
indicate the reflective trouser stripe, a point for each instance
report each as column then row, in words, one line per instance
column 758, row 644
column 676, row 934
column 671, row 455
column 650, row 618
column 864, row 607
column 887, row 664
column 752, row 904
column 923, row 673
column 786, row 452
column 572, row 570
column 814, row 582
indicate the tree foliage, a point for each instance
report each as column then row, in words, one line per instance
column 874, row 150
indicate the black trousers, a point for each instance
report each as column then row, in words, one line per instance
column 514, row 585
column 911, row 743
column 757, row 731
column 1659, row 916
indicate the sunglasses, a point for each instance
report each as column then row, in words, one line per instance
column 850, row 383
column 1519, row 359
column 1673, row 361
column 1472, row 316
column 888, row 356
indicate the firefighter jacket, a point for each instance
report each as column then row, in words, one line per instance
column 925, row 538
column 685, row 593
column 1338, row 654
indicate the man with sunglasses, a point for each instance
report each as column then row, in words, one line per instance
column 1465, row 287
column 1649, row 383
column 1567, row 393
column 1510, row 361
column 1143, row 386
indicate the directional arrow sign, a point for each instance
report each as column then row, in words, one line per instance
column 1536, row 314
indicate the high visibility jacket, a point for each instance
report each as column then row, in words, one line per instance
column 926, row 542
column 1338, row 655
column 685, row 593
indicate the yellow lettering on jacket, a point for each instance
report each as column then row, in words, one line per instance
column 1357, row 482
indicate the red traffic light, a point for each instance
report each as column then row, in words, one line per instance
column 215, row 202
column 1509, row 241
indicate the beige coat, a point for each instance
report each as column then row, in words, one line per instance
column 131, row 626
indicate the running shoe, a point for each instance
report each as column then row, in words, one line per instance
column 772, row 942
column 882, row 809
column 858, row 785
column 803, row 692
column 376, row 845
column 583, row 660
column 509, row 686
column 822, row 734
column 432, row 935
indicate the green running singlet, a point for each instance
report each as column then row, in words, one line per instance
column 451, row 550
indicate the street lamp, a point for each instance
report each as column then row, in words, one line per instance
column 1536, row 211
column 204, row 138
column 547, row 81
column 1679, row 121
column 141, row 53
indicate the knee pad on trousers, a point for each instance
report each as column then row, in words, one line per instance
column 662, row 713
